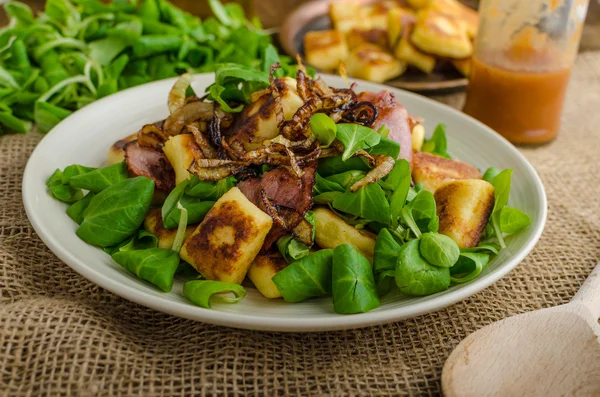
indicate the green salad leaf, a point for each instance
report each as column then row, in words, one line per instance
column 439, row 250
column 99, row 179
column 335, row 165
column 203, row 292
column 437, row 143
column 292, row 249
column 75, row 210
column 353, row 286
column 116, row 212
column 139, row 241
column 468, row 267
column 356, row 137
column 415, row 276
column 386, row 147
column 324, row 128
column 368, row 202
column 63, row 192
column 386, row 250
column 306, row 278
column 77, row 51
column 155, row 265
column 513, row 220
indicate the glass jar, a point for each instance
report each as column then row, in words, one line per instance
column 523, row 56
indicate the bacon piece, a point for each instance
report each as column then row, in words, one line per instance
column 285, row 190
column 394, row 116
column 152, row 163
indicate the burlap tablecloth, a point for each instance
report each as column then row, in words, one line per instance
column 62, row 335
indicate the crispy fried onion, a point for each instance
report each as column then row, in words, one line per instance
column 215, row 169
column 187, row 114
column 177, row 94
column 289, row 219
column 274, row 154
column 151, row 135
column 383, row 165
column 208, row 150
column 363, row 112
column 297, row 127
column 275, row 94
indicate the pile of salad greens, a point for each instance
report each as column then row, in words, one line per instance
column 410, row 255
column 78, row 51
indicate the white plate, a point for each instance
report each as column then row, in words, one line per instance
column 85, row 136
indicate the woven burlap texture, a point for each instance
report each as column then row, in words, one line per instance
column 62, row 335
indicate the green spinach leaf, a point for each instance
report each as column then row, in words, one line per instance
column 140, row 241
column 326, row 198
column 490, row 174
column 437, row 143
column 202, row 292
column 513, row 220
column 306, row 278
column 62, row 191
column 116, row 212
column 335, row 165
column 323, row 185
column 353, row 286
column 439, row 250
column 386, row 147
column 155, row 265
column 399, row 182
column 414, row 276
column 385, row 281
column 469, row 266
column 347, row 179
column 210, row 191
column 368, row 202
column 101, row 178
column 324, row 128
column 356, row 137
column 386, row 252
column 75, row 210
column 292, row 249
column 501, row 183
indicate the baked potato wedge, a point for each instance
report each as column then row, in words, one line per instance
column 408, row 53
column 181, row 150
column 439, row 34
column 258, row 121
column 418, row 4
column 331, row 231
column 357, row 37
column 460, row 13
column 463, row 66
column 376, row 15
column 325, row 49
column 153, row 224
column 397, row 19
column 432, row 171
column 262, row 271
column 464, row 207
column 346, row 15
column 373, row 63
column 226, row 242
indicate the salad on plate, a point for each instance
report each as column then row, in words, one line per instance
column 274, row 179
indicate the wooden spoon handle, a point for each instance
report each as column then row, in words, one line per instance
column 589, row 293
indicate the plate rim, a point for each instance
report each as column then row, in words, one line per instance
column 286, row 324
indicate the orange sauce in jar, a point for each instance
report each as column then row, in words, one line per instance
column 519, row 92
column 523, row 106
